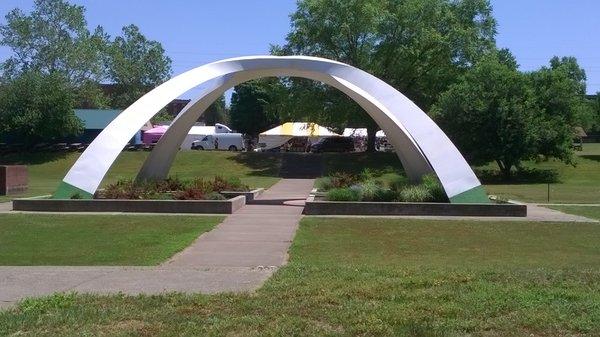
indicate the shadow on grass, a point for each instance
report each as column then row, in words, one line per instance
column 379, row 163
column 594, row 157
column 261, row 164
column 520, row 177
column 32, row 158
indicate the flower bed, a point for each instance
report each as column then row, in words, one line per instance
column 367, row 187
column 172, row 188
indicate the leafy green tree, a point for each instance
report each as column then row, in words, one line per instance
column 37, row 107
column 490, row 114
column 249, row 113
column 136, row 65
column 419, row 47
column 54, row 38
column 559, row 95
column 216, row 112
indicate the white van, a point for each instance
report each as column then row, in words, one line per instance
column 224, row 141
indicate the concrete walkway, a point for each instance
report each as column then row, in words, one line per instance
column 237, row 255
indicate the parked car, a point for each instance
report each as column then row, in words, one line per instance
column 333, row 144
column 220, row 141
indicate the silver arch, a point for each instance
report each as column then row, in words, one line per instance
column 420, row 144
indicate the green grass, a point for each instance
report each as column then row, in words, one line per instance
column 592, row 212
column 576, row 184
column 46, row 170
column 33, row 239
column 372, row 277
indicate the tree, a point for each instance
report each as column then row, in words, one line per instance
column 249, row 113
column 136, row 65
column 559, row 95
column 419, row 47
column 490, row 114
column 38, row 107
column 216, row 112
column 54, row 38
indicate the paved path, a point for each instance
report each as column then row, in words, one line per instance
column 237, row 255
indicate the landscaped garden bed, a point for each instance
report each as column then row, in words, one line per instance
column 217, row 195
column 369, row 194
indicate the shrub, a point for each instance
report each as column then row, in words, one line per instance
column 172, row 184
column 191, row 193
column 219, row 184
column 398, row 183
column 215, row 196
column 203, row 185
column 343, row 179
column 369, row 188
column 434, row 187
column 415, row 193
column 385, row 195
column 324, row 184
column 343, row 194
column 235, row 184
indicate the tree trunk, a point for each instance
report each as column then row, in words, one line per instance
column 371, row 138
column 504, row 168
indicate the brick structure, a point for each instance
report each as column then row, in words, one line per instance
column 13, row 179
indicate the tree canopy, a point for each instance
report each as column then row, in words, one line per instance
column 216, row 112
column 419, row 47
column 249, row 113
column 496, row 113
column 54, row 38
column 35, row 107
column 136, row 65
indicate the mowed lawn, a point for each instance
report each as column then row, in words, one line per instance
column 46, row 170
column 372, row 277
column 71, row 240
column 576, row 184
column 592, row 212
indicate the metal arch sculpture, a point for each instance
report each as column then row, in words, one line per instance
column 420, row 144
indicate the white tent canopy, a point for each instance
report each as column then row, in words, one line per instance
column 281, row 134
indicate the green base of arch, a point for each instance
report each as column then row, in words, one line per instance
column 68, row 191
column 476, row 195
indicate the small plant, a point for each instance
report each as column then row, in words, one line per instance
column 215, row 196
column 189, row 194
column 416, row 193
column 369, row 188
column 324, row 184
column 343, row 194
column 385, row 195
column 342, row 179
column 433, row 186
column 398, row 183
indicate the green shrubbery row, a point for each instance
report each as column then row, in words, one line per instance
column 172, row 188
column 365, row 187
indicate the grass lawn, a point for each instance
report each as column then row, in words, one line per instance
column 576, row 184
column 29, row 240
column 372, row 277
column 592, row 212
column 46, row 170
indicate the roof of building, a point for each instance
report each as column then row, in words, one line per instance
column 96, row 119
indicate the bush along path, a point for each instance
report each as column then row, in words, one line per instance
column 238, row 255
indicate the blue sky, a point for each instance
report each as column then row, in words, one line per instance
column 195, row 32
